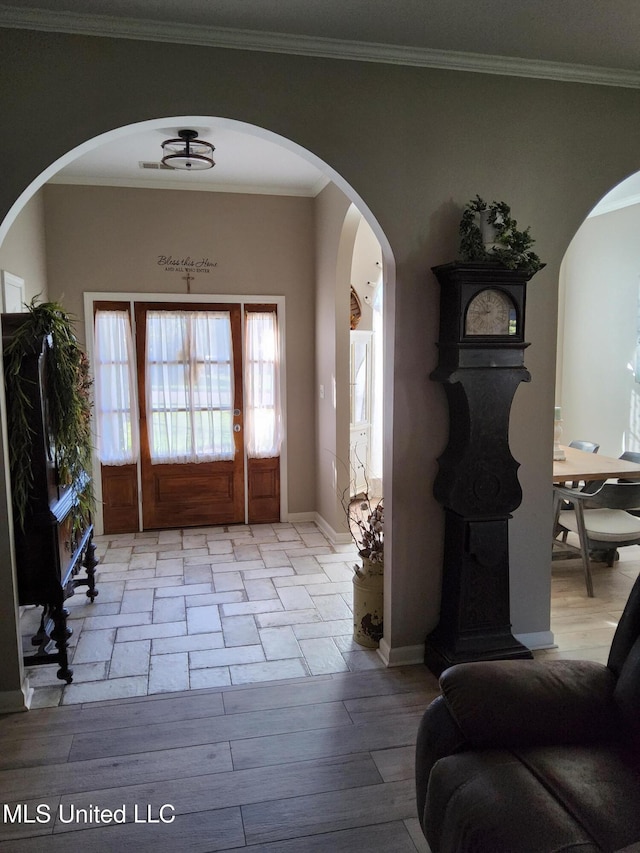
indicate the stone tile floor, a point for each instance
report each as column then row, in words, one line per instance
column 182, row 609
column 206, row 607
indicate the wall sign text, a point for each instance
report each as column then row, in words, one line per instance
column 187, row 264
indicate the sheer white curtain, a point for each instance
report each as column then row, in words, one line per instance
column 189, row 386
column 263, row 421
column 114, row 389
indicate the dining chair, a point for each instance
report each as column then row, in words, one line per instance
column 586, row 446
column 631, row 456
column 601, row 519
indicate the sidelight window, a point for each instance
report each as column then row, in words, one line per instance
column 114, row 388
column 262, row 388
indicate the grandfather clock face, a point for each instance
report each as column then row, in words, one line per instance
column 491, row 312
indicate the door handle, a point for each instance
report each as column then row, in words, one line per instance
column 237, row 427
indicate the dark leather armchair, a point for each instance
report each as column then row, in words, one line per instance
column 535, row 756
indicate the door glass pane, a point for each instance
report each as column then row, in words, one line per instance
column 189, row 377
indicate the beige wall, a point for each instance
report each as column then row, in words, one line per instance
column 336, row 226
column 111, row 239
column 23, row 253
column 549, row 149
column 597, row 391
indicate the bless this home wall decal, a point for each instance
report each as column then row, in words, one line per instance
column 186, row 265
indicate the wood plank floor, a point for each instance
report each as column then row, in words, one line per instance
column 321, row 764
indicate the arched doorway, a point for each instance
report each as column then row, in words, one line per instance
column 598, row 369
column 598, row 394
column 103, row 140
column 366, row 360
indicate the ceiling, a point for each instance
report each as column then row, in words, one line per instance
column 587, row 32
column 593, row 41
column 244, row 161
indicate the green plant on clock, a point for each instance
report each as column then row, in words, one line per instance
column 510, row 247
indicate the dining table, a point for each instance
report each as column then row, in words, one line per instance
column 577, row 468
column 580, row 465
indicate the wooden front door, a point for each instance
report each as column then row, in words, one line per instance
column 178, row 379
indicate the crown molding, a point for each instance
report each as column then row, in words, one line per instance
column 159, row 31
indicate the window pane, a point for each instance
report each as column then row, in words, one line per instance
column 189, row 386
column 117, row 436
column 262, row 390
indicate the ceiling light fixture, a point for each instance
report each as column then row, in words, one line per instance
column 188, row 152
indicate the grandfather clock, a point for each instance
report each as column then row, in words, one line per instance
column 481, row 363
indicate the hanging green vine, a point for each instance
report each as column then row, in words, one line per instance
column 68, row 405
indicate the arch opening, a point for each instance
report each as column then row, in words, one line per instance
column 162, row 127
column 598, row 363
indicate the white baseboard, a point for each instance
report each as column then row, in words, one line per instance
column 12, row 701
column 332, row 535
column 402, row 656
column 537, row 640
column 300, row 517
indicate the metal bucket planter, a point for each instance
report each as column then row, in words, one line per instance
column 367, row 603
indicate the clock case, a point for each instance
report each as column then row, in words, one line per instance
column 460, row 283
column 477, row 480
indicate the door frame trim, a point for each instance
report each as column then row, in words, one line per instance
column 189, row 298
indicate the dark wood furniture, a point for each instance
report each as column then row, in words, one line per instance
column 53, row 542
column 581, row 466
column 481, row 363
